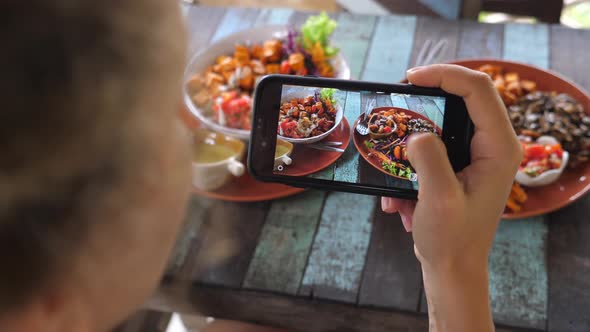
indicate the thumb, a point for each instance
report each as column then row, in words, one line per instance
column 428, row 156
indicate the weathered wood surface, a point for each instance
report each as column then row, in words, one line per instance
column 435, row 30
column 284, row 245
column 319, row 246
column 338, row 254
column 478, row 40
column 518, row 268
column 388, row 59
column 569, row 229
column 392, row 277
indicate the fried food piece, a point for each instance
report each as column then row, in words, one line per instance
column 491, row 70
column 296, row 61
column 224, row 64
column 518, row 193
column 242, row 55
column 273, row 68
column 513, row 206
column 272, row 50
column 516, row 198
column 528, row 86
column 509, row 85
column 258, row 52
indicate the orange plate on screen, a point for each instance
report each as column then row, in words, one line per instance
column 359, row 140
column 244, row 188
column 316, row 160
column 573, row 183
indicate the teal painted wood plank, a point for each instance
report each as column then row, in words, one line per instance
column 234, row 20
column 285, row 242
column 446, row 8
column 433, row 111
column 328, row 172
column 197, row 210
column 416, row 104
column 353, row 36
column 338, row 253
column 391, row 48
column 202, row 22
column 440, row 104
column 527, row 43
column 518, row 273
column 347, row 167
column 398, row 101
column 274, row 16
column 518, row 267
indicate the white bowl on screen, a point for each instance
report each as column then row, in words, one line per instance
column 302, row 94
column 205, row 58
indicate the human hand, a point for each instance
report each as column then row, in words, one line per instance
column 456, row 215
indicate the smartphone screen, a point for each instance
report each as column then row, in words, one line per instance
column 352, row 136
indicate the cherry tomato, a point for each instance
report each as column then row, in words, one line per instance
column 557, row 149
column 397, row 152
column 387, row 130
column 535, row 151
column 285, row 68
column 302, row 71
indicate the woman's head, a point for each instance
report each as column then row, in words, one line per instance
column 93, row 165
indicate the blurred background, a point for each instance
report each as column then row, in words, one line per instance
column 571, row 13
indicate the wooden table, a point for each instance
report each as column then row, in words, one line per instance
column 332, row 261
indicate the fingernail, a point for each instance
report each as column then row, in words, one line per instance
column 385, row 204
column 415, row 69
column 407, row 222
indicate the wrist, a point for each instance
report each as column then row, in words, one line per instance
column 458, row 295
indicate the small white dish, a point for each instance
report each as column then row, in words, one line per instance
column 547, row 177
column 214, row 175
column 284, row 158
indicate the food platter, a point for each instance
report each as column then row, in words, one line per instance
column 218, row 97
column 574, row 182
column 361, row 142
column 203, row 60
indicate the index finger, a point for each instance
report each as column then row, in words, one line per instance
column 485, row 107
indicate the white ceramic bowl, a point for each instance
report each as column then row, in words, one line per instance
column 302, row 94
column 285, row 158
column 211, row 176
column 205, row 58
column 547, row 177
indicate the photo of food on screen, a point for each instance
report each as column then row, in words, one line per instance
column 352, row 136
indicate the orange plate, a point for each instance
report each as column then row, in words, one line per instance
column 573, row 183
column 244, row 188
column 359, row 140
column 307, row 160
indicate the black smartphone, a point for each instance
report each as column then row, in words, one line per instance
column 347, row 135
